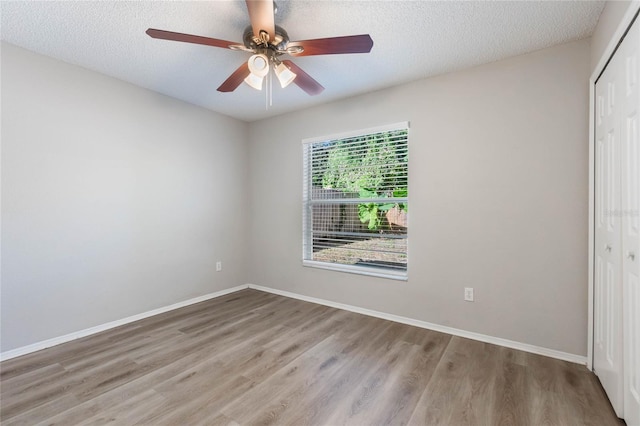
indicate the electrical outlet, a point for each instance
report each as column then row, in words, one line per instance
column 468, row 294
column 218, row 266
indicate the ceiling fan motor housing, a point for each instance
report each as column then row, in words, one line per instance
column 279, row 43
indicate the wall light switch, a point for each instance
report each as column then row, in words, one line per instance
column 218, row 266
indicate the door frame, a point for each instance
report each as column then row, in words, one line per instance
column 621, row 30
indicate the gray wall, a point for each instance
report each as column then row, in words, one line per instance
column 498, row 199
column 115, row 200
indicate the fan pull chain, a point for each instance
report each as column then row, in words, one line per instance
column 269, row 92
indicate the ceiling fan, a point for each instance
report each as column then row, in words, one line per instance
column 268, row 42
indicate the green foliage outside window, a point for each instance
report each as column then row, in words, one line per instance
column 372, row 166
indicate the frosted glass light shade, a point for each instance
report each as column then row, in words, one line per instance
column 258, row 65
column 285, row 75
column 254, row 81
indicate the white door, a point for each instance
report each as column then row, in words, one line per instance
column 607, row 350
column 630, row 197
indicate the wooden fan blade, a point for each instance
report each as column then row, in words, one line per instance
column 235, row 79
column 188, row 38
column 334, row 45
column 304, row 80
column 261, row 16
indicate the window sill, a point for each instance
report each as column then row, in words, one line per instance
column 359, row 270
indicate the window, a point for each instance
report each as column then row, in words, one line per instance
column 355, row 200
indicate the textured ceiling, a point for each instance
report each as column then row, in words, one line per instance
column 412, row 40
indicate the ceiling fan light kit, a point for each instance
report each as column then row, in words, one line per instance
column 268, row 42
column 259, row 68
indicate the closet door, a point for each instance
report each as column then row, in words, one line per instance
column 630, row 197
column 607, row 350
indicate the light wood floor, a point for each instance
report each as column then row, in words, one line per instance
column 257, row 358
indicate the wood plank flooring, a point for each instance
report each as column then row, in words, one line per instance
column 257, row 358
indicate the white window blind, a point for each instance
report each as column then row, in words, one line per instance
column 355, row 198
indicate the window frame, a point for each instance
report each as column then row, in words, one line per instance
column 380, row 272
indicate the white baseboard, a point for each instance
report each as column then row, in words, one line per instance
column 113, row 324
column 552, row 353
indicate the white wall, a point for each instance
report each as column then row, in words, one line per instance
column 610, row 18
column 498, row 199
column 115, row 200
